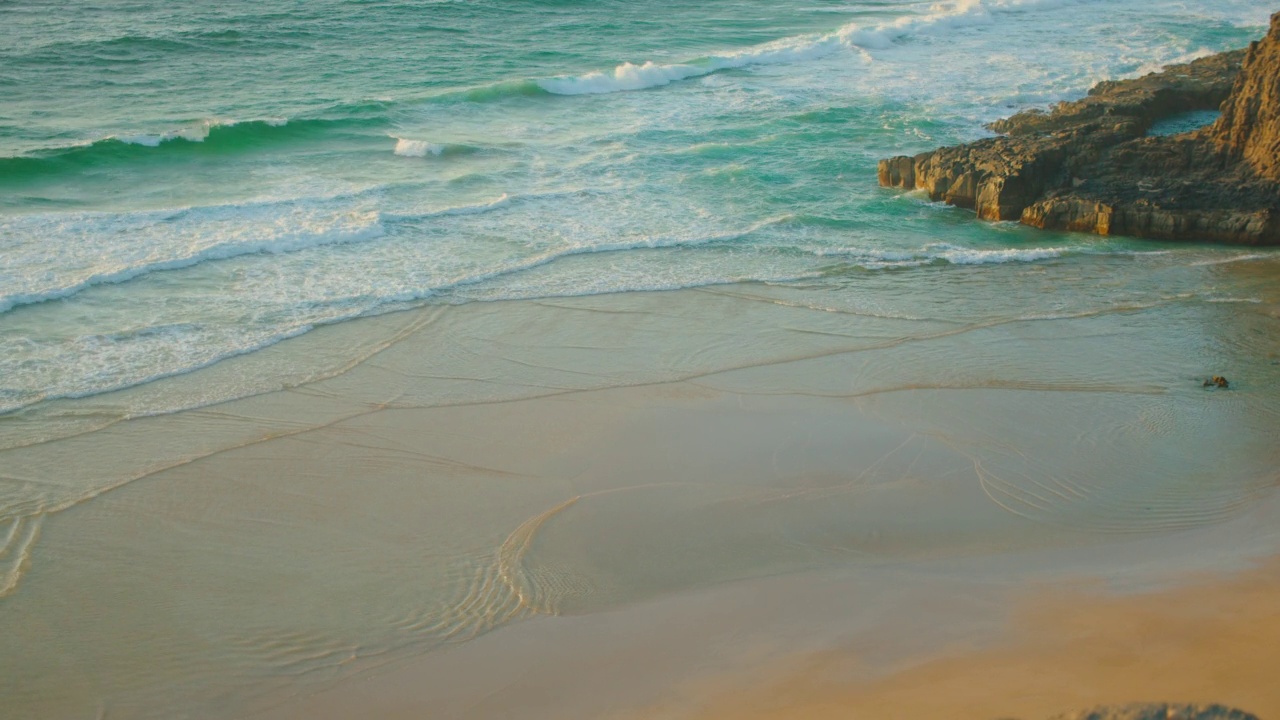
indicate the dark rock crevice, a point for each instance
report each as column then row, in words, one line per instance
column 1089, row 165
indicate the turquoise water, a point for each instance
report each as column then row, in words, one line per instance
column 180, row 184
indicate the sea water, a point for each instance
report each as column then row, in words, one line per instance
column 181, row 183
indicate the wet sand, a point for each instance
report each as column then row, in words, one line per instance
column 1213, row 637
column 590, row 507
column 1213, row 640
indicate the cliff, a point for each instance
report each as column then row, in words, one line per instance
column 1250, row 124
column 1089, row 165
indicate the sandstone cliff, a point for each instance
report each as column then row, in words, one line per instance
column 1250, row 124
column 1089, row 165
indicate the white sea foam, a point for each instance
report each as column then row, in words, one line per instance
column 966, row 256
column 1233, row 259
column 543, row 259
column 629, row 76
column 162, row 243
column 144, row 140
column 626, row 76
column 502, row 201
column 417, row 148
column 182, row 345
column 1148, row 68
column 1246, row 300
column 499, row 202
column 182, row 238
column 940, row 252
column 187, row 349
column 940, row 17
column 195, row 132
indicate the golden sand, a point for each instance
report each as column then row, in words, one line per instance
column 1216, row 640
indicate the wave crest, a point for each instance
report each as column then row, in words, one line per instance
column 417, row 148
column 935, row 253
column 940, row 17
column 210, row 136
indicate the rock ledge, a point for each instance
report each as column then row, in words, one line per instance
column 1089, row 165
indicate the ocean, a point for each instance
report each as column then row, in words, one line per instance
column 333, row 333
column 181, row 184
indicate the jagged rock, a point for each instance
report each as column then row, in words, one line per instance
column 1159, row 711
column 1088, row 165
column 1250, row 122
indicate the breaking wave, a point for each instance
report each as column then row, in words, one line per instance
column 854, row 36
column 206, row 137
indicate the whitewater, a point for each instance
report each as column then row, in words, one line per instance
column 182, row 185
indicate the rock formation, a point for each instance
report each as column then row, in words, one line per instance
column 1250, row 123
column 1089, row 165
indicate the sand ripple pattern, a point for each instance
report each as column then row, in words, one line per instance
column 503, row 590
column 1119, row 480
column 19, row 537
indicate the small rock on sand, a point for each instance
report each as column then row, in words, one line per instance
column 1159, row 711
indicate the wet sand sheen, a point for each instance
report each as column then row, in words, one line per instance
column 606, row 464
column 1216, row 639
column 958, row 649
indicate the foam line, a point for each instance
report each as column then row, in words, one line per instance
column 854, row 36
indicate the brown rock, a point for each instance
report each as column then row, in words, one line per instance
column 1159, row 711
column 1087, row 165
column 1250, row 122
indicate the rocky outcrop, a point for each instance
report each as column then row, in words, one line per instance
column 1250, row 124
column 1159, row 711
column 1089, row 165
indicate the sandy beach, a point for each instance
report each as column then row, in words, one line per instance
column 632, row 506
column 677, row 360
column 1209, row 639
